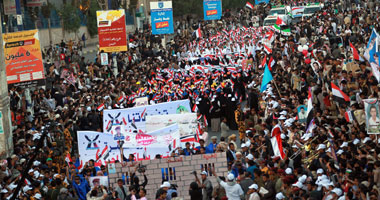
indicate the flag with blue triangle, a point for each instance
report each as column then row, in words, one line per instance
column 266, row 79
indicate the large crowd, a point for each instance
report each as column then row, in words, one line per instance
column 221, row 73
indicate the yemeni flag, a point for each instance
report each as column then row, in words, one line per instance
column 198, row 32
column 100, row 107
column 349, row 116
column 280, row 22
column 355, row 53
column 68, row 158
column 277, row 142
column 284, row 32
column 271, row 63
column 249, row 5
column 338, row 94
column 267, row 49
column 310, row 109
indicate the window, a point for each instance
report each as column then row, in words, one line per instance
column 168, row 174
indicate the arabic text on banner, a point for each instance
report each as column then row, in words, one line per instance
column 112, row 30
column 103, row 147
column 162, row 17
column 212, row 9
column 23, row 59
column 134, row 119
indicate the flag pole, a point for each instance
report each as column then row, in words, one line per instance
column 274, row 81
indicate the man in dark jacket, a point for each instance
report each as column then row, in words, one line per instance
column 270, row 186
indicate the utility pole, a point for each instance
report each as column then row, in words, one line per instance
column 6, row 137
column 19, row 13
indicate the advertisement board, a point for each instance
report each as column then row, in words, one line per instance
column 23, row 59
column 162, row 17
column 212, row 9
column 112, row 30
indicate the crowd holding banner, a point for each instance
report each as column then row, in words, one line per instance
column 304, row 102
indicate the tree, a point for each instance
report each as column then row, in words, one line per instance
column 231, row 4
column 70, row 17
column 181, row 8
column 46, row 11
column 92, row 26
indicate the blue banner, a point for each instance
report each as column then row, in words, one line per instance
column 212, row 9
column 162, row 17
column 257, row 2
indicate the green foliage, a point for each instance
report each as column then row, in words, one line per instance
column 46, row 9
column 92, row 26
column 187, row 7
column 231, row 4
column 70, row 17
column 132, row 5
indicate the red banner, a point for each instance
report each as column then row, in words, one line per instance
column 112, row 31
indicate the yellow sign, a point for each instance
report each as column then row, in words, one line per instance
column 23, row 57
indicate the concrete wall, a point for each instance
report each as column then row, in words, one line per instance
column 57, row 36
column 180, row 168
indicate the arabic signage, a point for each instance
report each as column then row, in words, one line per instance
column 35, row 3
column 103, row 147
column 23, row 59
column 9, row 7
column 112, row 30
column 162, row 17
column 212, row 9
column 134, row 119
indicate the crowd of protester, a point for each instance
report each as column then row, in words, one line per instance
column 338, row 161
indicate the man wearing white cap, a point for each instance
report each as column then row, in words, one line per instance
column 280, row 196
column 252, row 192
column 206, row 185
column 28, row 191
column 233, row 190
column 165, row 186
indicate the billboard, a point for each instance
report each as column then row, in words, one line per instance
column 23, row 59
column 162, row 17
column 212, row 9
column 9, row 7
column 111, row 30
